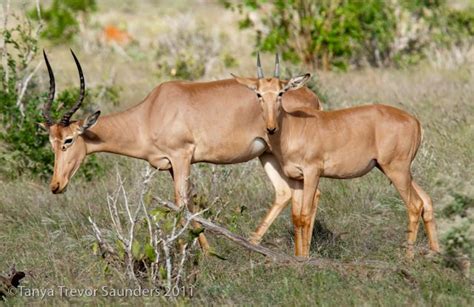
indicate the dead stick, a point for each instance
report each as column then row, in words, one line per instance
column 275, row 256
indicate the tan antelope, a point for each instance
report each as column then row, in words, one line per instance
column 342, row 144
column 177, row 124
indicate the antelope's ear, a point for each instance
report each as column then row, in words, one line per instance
column 250, row 83
column 297, row 82
column 44, row 127
column 90, row 121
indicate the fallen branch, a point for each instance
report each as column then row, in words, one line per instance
column 271, row 254
column 275, row 256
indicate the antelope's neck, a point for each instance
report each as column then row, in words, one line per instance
column 295, row 131
column 118, row 133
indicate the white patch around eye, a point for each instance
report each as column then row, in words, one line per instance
column 68, row 141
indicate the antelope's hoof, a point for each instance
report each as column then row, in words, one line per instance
column 410, row 254
column 255, row 239
column 301, row 258
column 431, row 254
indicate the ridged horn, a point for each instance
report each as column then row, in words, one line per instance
column 276, row 74
column 259, row 67
column 52, row 88
column 67, row 116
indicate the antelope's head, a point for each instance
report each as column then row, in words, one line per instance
column 65, row 136
column 269, row 92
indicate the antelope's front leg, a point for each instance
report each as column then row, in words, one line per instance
column 181, row 175
column 309, row 208
column 296, row 206
column 313, row 213
column 283, row 194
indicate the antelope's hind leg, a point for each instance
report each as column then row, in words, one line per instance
column 399, row 174
column 428, row 217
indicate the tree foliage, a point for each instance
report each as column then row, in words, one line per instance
column 61, row 18
column 330, row 34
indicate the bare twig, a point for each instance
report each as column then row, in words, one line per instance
column 166, row 250
column 6, row 12
column 124, row 195
column 112, row 205
column 147, row 176
column 107, row 251
column 181, row 265
column 23, row 85
column 189, row 218
column 38, row 9
column 156, row 264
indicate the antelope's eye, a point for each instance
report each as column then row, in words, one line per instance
column 280, row 94
column 259, row 96
column 68, row 141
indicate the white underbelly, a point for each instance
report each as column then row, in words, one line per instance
column 348, row 171
column 231, row 152
column 257, row 147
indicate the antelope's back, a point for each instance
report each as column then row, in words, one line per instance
column 221, row 118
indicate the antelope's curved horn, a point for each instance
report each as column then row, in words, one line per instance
column 259, row 67
column 276, row 74
column 52, row 88
column 67, row 116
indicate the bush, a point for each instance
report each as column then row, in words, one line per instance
column 327, row 34
column 459, row 247
column 60, row 18
column 460, row 205
column 152, row 248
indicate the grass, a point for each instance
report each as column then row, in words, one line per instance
column 360, row 219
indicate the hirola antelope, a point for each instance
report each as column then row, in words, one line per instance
column 341, row 144
column 177, row 124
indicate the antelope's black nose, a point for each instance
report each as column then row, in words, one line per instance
column 55, row 187
column 271, row 130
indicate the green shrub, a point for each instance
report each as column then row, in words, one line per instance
column 453, row 26
column 459, row 206
column 326, row 34
column 458, row 244
column 61, row 20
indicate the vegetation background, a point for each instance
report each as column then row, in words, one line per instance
column 416, row 55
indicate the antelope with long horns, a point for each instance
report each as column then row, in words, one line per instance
column 342, row 144
column 177, row 124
